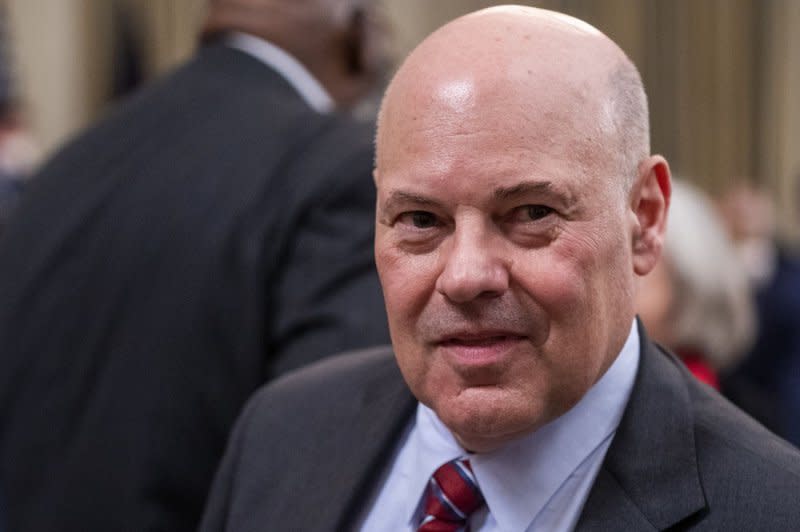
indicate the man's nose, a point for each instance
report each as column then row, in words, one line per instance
column 473, row 268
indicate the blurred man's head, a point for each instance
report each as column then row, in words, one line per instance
column 749, row 215
column 339, row 41
column 517, row 201
column 748, row 211
column 697, row 301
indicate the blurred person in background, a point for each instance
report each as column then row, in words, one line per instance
column 18, row 152
column 773, row 364
column 18, row 156
column 697, row 300
column 211, row 233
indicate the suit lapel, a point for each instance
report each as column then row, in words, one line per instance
column 386, row 409
column 610, row 508
column 649, row 479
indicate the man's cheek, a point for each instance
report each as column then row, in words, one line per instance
column 557, row 280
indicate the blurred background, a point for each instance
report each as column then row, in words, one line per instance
column 723, row 76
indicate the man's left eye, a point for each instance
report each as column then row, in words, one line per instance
column 537, row 212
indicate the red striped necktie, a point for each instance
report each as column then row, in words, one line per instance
column 451, row 497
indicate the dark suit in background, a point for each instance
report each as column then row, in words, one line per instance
column 773, row 364
column 682, row 456
column 212, row 233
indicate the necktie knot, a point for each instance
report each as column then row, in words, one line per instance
column 452, row 495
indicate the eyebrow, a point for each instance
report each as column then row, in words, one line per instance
column 533, row 187
column 522, row 189
column 402, row 197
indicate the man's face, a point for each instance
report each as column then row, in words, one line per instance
column 503, row 245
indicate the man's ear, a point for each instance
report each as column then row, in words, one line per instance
column 649, row 199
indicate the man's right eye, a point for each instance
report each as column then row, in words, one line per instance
column 419, row 219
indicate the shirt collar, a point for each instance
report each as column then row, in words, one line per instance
column 297, row 75
column 519, row 479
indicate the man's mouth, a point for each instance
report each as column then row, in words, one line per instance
column 479, row 340
column 479, row 349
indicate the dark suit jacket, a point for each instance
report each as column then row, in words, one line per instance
column 773, row 365
column 308, row 449
column 210, row 234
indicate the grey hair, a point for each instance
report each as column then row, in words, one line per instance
column 628, row 115
column 714, row 309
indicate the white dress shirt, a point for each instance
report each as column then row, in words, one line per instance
column 287, row 66
column 537, row 483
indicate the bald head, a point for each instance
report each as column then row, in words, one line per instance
column 339, row 41
column 528, row 65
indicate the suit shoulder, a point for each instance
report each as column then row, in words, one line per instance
column 720, row 424
column 343, row 126
column 342, row 138
column 719, row 421
column 744, row 467
column 332, row 378
column 322, row 398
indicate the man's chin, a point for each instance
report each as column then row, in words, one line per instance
column 484, row 418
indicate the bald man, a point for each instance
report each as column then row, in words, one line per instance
column 213, row 232
column 518, row 204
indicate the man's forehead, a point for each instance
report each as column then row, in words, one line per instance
column 482, row 161
column 486, row 182
column 487, row 136
column 537, row 101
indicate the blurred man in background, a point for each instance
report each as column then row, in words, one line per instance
column 697, row 301
column 772, row 367
column 18, row 152
column 213, row 232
